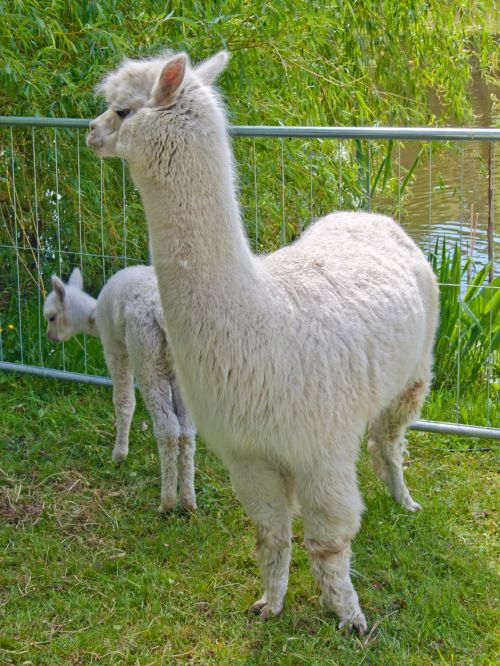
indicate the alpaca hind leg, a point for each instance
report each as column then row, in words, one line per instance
column 168, row 450
column 263, row 494
column 123, row 400
column 157, row 396
column 187, row 447
column 386, row 442
column 185, row 464
column 331, row 507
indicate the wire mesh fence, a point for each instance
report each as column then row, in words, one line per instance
column 61, row 207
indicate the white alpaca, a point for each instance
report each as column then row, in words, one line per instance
column 283, row 360
column 127, row 318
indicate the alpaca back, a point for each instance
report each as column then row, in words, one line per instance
column 340, row 323
column 365, row 292
column 128, row 312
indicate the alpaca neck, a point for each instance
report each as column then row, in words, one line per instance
column 208, row 240
column 84, row 315
column 197, row 237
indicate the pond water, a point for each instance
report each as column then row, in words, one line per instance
column 449, row 194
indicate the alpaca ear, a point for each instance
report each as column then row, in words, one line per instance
column 170, row 79
column 75, row 279
column 210, row 69
column 59, row 287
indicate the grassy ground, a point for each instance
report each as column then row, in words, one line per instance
column 90, row 573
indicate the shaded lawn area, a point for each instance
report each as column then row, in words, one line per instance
column 90, row 573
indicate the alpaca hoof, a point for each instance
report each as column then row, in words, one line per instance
column 269, row 612
column 411, row 506
column 119, row 456
column 357, row 626
column 167, row 505
column 265, row 610
column 258, row 605
column 188, row 504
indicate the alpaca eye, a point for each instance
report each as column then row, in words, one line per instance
column 53, row 318
column 123, row 113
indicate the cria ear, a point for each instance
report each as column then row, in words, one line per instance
column 170, row 79
column 59, row 287
column 75, row 279
column 210, row 69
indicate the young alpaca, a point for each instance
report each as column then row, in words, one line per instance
column 127, row 318
column 283, row 360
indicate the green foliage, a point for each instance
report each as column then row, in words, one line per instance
column 468, row 338
column 294, row 61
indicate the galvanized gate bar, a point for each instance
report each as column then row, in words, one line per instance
column 54, row 374
column 412, row 133
column 35, row 121
column 403, row 133
column 456, row 429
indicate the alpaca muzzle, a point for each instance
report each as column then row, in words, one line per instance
column 94, row 140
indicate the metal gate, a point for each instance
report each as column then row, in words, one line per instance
column 61, row 207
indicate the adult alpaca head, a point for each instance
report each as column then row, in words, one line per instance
column 154, row 104
column 165, row 119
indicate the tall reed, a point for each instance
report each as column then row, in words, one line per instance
column 468, row 338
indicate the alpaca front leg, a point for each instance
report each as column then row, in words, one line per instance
column 331, row 507
column 123, row 400
column 330, row 565
column 262, row 492
column 273, row 556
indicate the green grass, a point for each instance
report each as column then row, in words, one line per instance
column 90, row 573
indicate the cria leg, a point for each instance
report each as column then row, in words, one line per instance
column 153, row 377
column 185, row 468
column 187, row 446
column 158, row 400
column 123, row 400
column 331, row 507
column 386, row 442
column 168, row 450
column 153, row 380
column 262, row 492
